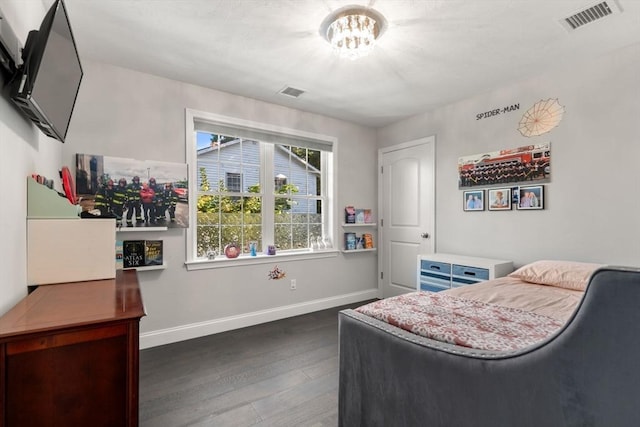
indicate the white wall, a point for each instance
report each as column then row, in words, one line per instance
column 23, row 150
column 591, row 213
column 592, row 202
column 124, row 113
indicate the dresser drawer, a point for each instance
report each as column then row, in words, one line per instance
column 435, row 267
column 465, row 275
column 434, row 276
column 431, row 287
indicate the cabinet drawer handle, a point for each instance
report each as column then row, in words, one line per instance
column 434, row 267
column 469, row 273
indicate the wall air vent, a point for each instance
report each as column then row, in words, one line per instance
column 291, row 92
column 590, row 14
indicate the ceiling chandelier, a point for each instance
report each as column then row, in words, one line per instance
column 352, row 31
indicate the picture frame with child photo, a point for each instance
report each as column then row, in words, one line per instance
column 500, row 199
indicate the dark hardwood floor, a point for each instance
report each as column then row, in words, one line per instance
column 282, row 373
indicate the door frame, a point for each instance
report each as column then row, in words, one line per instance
column 431, row 142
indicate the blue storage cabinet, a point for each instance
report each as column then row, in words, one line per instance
column 438, row 272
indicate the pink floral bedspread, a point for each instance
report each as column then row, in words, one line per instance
column 463, row 322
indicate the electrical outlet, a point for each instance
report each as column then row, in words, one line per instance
column 293, row 284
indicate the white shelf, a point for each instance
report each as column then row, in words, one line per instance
column 350, row 251
column 360, row 224
column 133, row 229
column 148, row 267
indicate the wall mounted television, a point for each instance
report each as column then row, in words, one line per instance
column 45, row 87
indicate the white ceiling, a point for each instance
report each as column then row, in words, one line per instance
column 434, row 52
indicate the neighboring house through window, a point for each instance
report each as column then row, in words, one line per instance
column 256, row 183
column 234, row 182
column 279, row 182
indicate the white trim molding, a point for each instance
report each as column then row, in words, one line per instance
column 214, row 326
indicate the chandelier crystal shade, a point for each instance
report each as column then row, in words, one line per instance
column 352, row 31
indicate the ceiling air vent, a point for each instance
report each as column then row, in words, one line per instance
column 291, row 92
column 590, row 14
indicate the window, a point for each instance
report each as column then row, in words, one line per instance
column 255, row 183
column 234, row 182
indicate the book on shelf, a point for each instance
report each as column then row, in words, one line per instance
column 349, row 241
column 368, row 240
column 350, row 215
column 119, row 254
column 359, row 216
column 141, row 253
column 152, row 252
column 368, row 216
column 132, row 253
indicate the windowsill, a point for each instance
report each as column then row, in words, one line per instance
column 221, row 261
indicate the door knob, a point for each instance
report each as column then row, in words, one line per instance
column 425, row 235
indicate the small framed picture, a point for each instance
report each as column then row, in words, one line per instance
column 531, row 197
column 515, row 195
column 500, row 199
column 473, row 200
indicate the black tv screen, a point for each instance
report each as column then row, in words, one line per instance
column 47, row 84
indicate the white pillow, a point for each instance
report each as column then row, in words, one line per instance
column 563, row 274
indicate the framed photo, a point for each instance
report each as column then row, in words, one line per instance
column 473, row 200
column 515, row 195
column 500, row 199
column 531, row 197
column 529, row 164
column 164, row 185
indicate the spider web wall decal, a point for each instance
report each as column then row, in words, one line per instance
column 541, row 118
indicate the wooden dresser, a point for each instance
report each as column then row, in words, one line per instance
column 69, row 355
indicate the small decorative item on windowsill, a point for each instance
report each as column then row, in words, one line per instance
column 211, row 254
column 271, row 250
column 232, row 250
column 327, row 243
column 253, row 248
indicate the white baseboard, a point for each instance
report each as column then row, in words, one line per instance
column 201, row 329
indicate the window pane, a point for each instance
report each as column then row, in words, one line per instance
column 292, row 231
column 232, row 199
column 298, row 207
column 315, row 182
column 282, row 236
column 225, row 218
column 208, row 238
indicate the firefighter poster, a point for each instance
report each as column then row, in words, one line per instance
column 530, row 164
column 137, row 193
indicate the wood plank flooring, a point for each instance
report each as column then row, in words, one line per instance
column 282, row 373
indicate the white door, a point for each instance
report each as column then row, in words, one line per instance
column 407, row 205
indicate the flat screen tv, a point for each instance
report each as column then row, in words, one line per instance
column 46, row 85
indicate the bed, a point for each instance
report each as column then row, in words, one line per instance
column 577, row 366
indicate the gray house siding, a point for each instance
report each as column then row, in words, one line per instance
column 229, row 156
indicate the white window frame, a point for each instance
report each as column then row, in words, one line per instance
column 328, row 184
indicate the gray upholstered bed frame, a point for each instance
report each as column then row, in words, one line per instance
column 588, row 374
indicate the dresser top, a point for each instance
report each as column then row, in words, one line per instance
column 68, row 305
column 464, row 260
